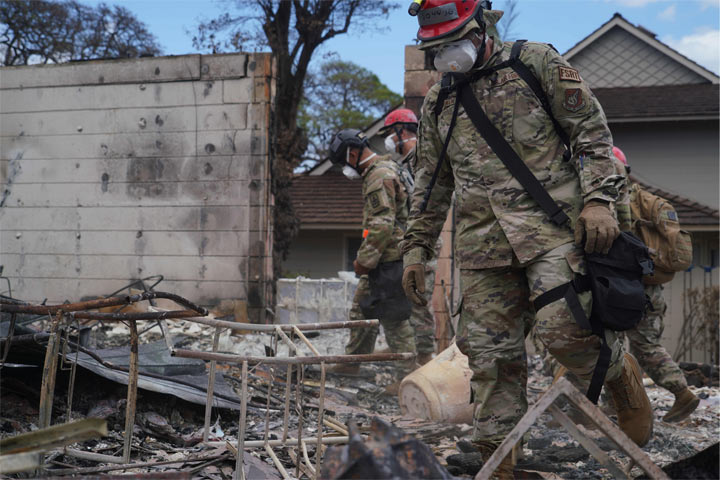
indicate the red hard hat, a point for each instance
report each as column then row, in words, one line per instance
column 619, row 155
column 400, row 115
column 440, row 18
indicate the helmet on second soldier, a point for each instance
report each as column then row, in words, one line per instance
column 397, row 117
column 344, row 139
column 397, row 121
column 620, row 156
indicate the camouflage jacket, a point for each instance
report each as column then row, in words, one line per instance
column 496, row 219
column 622, row 204
column 384, row 214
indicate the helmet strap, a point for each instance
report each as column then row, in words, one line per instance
column 398, row 133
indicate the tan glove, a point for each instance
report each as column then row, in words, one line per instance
column 360, row 269
column 597, row 224
column 413, row 283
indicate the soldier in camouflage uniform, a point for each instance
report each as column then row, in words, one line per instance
column 400, row 129
column 645, row 338
column 384, row 217
column 507, row 249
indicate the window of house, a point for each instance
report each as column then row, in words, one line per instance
column 352, row 244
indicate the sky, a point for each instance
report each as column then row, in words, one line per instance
column 691, row 27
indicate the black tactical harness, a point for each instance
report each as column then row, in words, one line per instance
column 615, row 279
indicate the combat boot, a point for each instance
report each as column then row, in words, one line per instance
column 632, row 404
column 685, row 403
column 345, row 369
column 506, row 469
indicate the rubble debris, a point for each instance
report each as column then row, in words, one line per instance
column 704, row 465
column 20, row 452
column 168, row 432
column 387, row 453
column 700, row 374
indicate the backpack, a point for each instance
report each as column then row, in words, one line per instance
column 655, row 221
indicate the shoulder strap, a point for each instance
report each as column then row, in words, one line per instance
column 510, row 158
column 443, row 94
column 526, row 74
column 441, row 158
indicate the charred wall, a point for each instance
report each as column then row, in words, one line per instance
column 120, row 169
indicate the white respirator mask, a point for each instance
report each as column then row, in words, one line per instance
column 390, row 144
column 457, row 57
column 350, row 171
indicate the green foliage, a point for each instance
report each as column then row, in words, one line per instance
column 340, row 95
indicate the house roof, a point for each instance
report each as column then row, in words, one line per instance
column 327, row 201
column 332, row 201
column 692, row 214
column 643, row 35
column 696, row 101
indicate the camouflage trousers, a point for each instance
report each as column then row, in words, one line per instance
column 645, row 344
column 496, row 316
column 421, row 318
column 399, row 335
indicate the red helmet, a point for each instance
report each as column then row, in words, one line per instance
column 620, row 155
column 440, row 18
column 400, row 115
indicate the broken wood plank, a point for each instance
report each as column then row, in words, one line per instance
column 55, row 436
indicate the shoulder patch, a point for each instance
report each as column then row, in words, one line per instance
column 574, row 100
column 507, row 77
column 378, row 201
column 568, row 74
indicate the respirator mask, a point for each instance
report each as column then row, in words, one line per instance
column 350, row 171
column 456, row 57
column 391, row 145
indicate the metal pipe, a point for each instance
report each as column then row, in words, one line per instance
column 132, row 316
column 47, row 390
column 306, row 341
column 255, row 327
column 210, row 388
column 239, row 458
column 132, row 392
column 321, row 414
column 277, row 463
column 226, row 358
column 8, row 306
column 280, row 443
column 92, row 456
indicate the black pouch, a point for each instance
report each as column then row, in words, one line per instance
column 619, row 300
column 387, row 300
column 615, row 279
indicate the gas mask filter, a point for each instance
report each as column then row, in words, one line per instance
column 457, row 57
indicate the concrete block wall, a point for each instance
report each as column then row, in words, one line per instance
column 121, row 169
